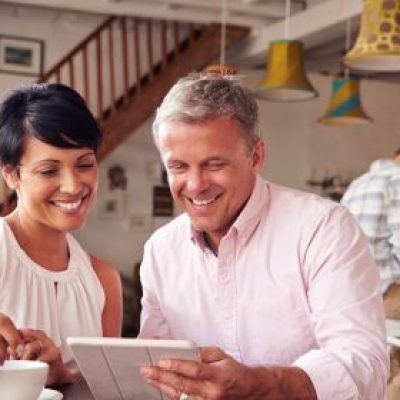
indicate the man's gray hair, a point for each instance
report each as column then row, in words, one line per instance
column 201, row 97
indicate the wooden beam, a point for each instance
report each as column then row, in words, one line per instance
column 314, row 26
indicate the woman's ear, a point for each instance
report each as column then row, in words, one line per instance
column 10, row 175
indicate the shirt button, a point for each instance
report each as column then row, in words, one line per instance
column 228, row 315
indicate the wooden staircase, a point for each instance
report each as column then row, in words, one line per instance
column 124, row 68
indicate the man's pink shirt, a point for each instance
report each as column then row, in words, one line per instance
column 293, row 284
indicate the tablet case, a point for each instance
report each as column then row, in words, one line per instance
column 111, row 365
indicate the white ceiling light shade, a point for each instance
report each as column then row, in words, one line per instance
column 378, row 45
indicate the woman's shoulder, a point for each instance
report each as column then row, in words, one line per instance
column 107, row 273
column 7, row 241
column 4, row 232
column 102, row 266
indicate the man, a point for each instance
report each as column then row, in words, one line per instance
column 277, row 286
column 374, row 199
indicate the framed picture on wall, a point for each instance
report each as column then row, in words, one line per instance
column 110, row 205
column 21, row 56
column 163, row 204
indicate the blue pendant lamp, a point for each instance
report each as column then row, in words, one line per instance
column 345, row 105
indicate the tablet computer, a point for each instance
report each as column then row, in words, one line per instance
column 111, row 365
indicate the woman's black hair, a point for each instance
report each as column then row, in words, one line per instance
column 52, row 113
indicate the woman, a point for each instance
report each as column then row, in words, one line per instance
column 50, row 288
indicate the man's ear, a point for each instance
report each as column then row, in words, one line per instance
column 10, row 175
column 258, row 155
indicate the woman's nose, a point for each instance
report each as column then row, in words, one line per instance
column 70, row 183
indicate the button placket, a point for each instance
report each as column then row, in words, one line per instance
column 226, row 298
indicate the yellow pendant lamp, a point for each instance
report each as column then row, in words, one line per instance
column 285, row 78
column 378, row 45
column 345, row 106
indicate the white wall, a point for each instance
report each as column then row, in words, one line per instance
column 298, row 148
column 120, row 239
column 61, row 32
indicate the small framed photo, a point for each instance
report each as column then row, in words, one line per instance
column 21, row 56
column 163, row 203
column 110, row 205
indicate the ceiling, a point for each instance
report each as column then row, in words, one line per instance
column 320, row 24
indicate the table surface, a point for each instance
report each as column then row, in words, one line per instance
column 76, row 391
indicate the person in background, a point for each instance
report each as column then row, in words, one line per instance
column 374, row 199
column 50, row 288
column 276, row 286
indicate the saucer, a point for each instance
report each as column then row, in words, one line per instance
column 50, row 394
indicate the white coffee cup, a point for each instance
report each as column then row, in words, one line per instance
column 22, row 379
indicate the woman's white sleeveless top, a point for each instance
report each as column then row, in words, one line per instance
column 62, row 304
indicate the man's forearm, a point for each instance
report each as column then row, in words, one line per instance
column 284, row 383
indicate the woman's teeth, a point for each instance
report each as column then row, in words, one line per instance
column 70, row 206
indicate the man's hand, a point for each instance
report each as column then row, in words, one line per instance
column 218, row 377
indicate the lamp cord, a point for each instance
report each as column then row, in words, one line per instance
column 224, row 12
column 287, row 20
column 347, row 45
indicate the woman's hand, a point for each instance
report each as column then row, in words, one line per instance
column 11, row 340
column 38, row 346
column 31, row 344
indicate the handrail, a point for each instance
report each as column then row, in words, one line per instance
column 119, row 54
column 77, row 49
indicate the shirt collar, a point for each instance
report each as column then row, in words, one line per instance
column 379, row 164
column 247, row 220
column 250, row 216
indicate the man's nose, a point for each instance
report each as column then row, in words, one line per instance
column 196, row 181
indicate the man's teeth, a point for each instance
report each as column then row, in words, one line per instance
column 68, row 206
column 202, row 202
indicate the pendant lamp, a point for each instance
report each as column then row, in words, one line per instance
column 285, row 78
column 220, row 69
column 345, row 106
column 378, row 45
